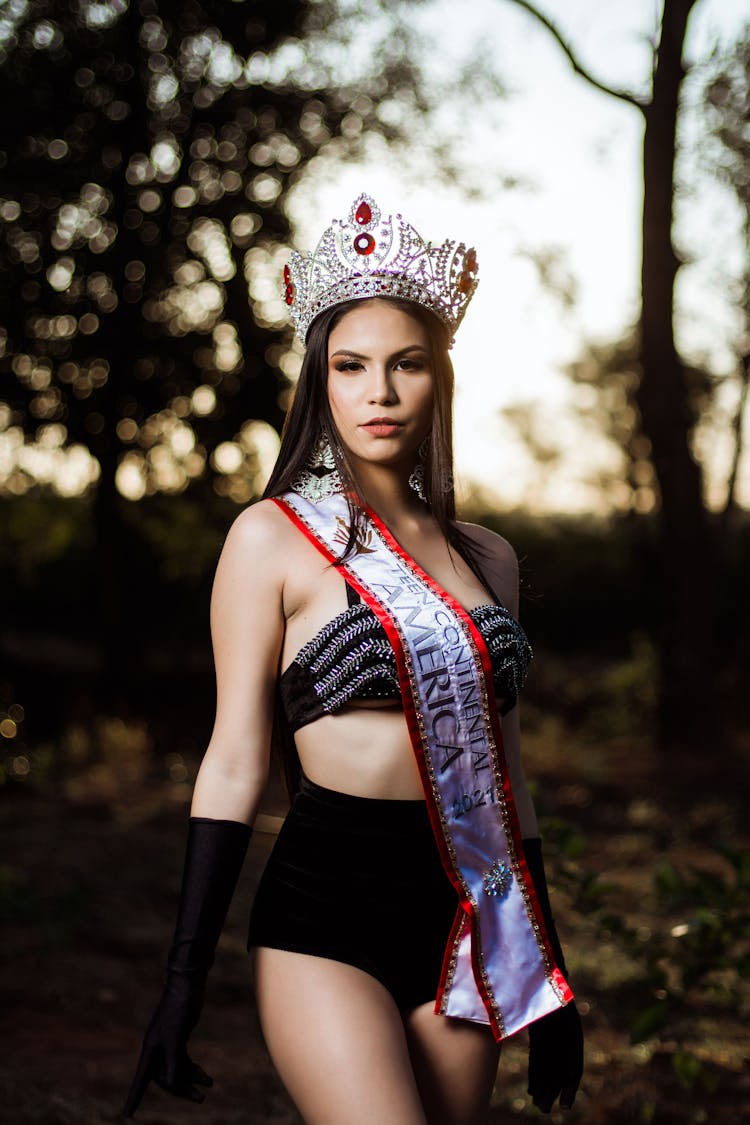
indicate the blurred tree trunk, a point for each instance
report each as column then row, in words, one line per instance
column 687, row 704
column 688, row 714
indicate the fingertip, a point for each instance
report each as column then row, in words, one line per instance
column 543, row 1105
column 567, row 1098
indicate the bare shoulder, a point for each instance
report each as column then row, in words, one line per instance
column 492, row 545
column 498, row 561
column 256, row 548
column 259, row 527
column 259, row 536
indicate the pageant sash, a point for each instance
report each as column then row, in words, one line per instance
column 498, row 967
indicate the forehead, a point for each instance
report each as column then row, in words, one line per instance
column 377, row 325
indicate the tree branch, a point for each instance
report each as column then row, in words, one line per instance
column 623, row 95
column 737, row 429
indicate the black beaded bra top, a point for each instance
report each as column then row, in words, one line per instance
column 352, row 658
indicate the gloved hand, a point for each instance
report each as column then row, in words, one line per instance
column 555, row 1058
column 164, row 1058
column 215, row 853
column 555, row 1040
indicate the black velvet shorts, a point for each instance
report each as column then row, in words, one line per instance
column 359, row 880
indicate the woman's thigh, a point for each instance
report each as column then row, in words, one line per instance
column 455, row 1066
column 337, row 1040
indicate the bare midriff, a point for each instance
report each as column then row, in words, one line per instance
column 364, row 749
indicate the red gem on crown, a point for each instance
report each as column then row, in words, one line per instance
column 364, row 243
column 363, row 214
column 290, row 290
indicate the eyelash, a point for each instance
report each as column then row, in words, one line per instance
column 354, row 364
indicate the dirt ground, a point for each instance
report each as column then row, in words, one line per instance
column 88, row 888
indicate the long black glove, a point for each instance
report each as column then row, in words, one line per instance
column 555, row 1040
column 215, row 853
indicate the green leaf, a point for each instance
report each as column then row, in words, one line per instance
column 687, row 1068
column 648, row 1021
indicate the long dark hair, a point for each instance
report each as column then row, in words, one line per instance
column 309, row 416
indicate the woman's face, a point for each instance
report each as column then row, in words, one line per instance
column 380, row 383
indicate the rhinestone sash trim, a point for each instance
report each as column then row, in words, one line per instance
column 499, row 968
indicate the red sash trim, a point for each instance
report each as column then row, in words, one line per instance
column 466, row 913
column 465, row 909
column 502, row 775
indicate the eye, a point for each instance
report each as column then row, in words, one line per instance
column 348, row 365
column 412, row 363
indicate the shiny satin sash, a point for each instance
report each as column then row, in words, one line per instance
column 498, row 968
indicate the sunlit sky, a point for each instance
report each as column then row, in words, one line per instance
column 580, row 152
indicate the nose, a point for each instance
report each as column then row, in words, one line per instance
column 381, row 389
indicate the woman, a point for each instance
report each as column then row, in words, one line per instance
column 402, row 926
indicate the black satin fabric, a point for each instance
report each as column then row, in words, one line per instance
column 359, row 880
column 350, row 658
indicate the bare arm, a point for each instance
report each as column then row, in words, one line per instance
column 247, row 628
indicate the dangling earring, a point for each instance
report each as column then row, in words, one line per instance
column 322, row 454
column 416, row 480
column 319, row 478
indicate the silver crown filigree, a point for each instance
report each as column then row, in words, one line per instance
column 371, row 255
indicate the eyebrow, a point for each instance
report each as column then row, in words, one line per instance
column 359, row 355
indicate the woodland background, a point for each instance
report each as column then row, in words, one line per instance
column 146, row 154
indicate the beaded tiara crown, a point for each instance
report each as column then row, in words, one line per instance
column 371, row 255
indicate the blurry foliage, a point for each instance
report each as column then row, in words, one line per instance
column 586, row 584
column 145, row 173
column 606, row 377
column 726, row 103
column 689, row 543
column 587, row 602
column 43, row 532
column 681, row 932
column 589, row 586
column 607, row 374
column 615, row 697
column 145, row 167
column 698, row 959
